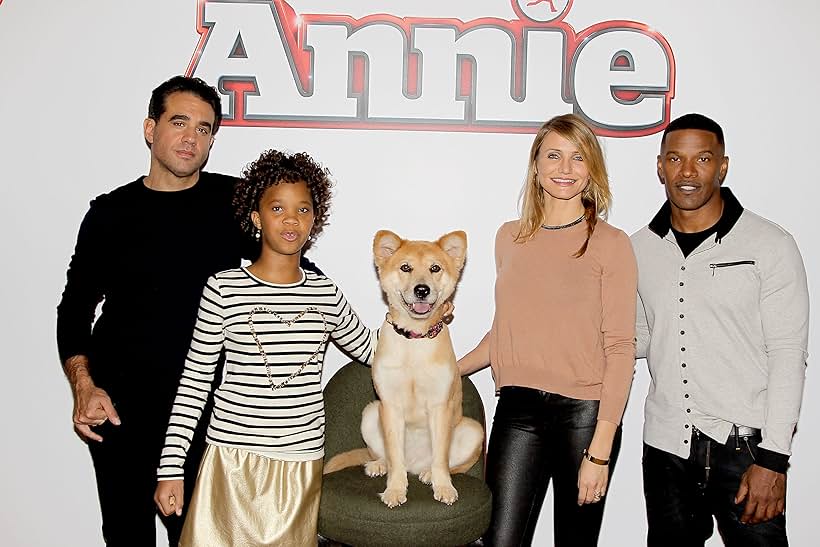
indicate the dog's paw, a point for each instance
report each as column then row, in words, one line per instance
column 445, row 493
column 426, row 477
column 393, row 498
column 375, row 468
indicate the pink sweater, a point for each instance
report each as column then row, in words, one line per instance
column 562, row 324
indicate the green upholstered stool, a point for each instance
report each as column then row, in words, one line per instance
column 351, row 511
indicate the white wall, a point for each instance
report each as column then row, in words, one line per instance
column 75, row 80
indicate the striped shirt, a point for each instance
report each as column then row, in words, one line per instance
column 286, row 423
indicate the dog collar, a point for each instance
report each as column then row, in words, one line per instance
column 432, row 332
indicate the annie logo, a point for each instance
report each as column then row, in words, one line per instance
column 278, row 68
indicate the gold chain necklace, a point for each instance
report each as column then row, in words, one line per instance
column 263, row 353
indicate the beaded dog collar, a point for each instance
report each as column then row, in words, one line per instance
column 432, row 332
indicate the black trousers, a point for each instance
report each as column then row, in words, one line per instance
column 682, row 495
column 125, row 464
column 538, row 437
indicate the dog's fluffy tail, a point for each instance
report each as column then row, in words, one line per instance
column 351, row 458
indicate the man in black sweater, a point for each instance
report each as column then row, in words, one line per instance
column 145, row 250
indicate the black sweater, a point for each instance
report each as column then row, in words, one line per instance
column 146, row 255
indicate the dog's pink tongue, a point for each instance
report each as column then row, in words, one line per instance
column 421, row 307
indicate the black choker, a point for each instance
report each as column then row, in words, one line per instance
column 562, row 226
column 432, row 332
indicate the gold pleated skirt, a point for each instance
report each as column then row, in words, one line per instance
column 244, row 499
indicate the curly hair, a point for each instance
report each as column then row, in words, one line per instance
column 275, row 167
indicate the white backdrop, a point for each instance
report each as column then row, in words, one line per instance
column 76, row 78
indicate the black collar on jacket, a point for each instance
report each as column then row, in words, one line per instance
column 732, row 209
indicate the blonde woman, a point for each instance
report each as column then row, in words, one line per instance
column 561, row 345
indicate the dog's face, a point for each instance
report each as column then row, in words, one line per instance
column 419, row 276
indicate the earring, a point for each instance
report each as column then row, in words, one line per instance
column 257, row 234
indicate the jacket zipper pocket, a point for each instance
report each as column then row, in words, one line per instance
column 716, row 265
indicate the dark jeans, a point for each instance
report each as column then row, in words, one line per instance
column 538, row 437
column 682, row 495
column 125, row 463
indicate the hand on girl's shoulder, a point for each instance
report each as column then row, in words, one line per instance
column 309, row 265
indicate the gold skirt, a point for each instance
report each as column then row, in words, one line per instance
column 244, row 499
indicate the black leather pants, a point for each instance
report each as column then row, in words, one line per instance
column 537, row 437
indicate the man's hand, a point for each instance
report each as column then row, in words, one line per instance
column 168, row 497
column 765, row 493
column 92, row 405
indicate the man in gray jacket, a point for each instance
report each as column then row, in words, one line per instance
column 722, row 319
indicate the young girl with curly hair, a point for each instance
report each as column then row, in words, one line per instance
column 260, row 478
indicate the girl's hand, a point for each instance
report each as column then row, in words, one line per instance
column 447, row 311
column 168, row 497
column 592, row 482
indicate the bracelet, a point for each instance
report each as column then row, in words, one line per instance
column 593, row 459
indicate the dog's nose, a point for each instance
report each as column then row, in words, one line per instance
column 421, row 291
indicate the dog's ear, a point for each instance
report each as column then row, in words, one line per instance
column 455, row 245
column 385, row 243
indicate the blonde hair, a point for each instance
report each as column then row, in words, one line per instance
column 596, row 197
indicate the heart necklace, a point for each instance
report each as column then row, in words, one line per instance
column 263, row 353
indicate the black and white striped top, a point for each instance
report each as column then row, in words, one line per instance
column 288, row 423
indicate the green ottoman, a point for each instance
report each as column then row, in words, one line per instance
column 351, row 511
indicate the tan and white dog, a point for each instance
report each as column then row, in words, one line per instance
column 417, row 425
